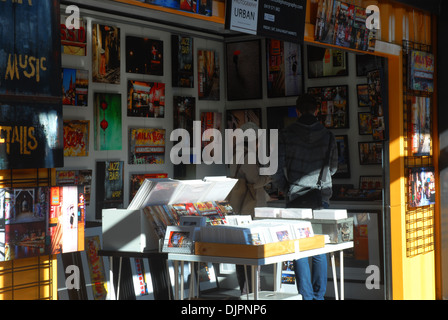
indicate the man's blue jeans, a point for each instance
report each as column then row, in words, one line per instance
column 311, row 286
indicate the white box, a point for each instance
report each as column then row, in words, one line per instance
column 267, row 212
column 127, row 230
column 330, row 214
column 296, row 213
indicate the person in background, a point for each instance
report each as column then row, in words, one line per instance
column 303, row 149
column 250, row 172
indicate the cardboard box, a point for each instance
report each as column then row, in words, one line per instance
column 338, row 230
column 127, row 230
column 259, row 251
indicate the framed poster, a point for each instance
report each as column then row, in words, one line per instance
column 208, row 75
column 107, row 121
column 365, row 123
column 370, row 152
column 144, row 56
column 243, row 61
column 137, row 179
column 209, row 120
column 237, row 117
column 105, row 54
column 184, row 113
column 371, row 182
column 74, row 41
column 76, row 138
column 109, row 186
column 332, row 105
column 326, row 62
column 146, row 99
column 366, row 63
column 75, row 86
column 343, row 157
column 362, row 92
column 32, row 135
column 420, row 125
column 146, row 146
column 179, row 239
column 284, row 68
column 182, row 60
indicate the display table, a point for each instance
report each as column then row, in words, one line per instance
column 254, row 263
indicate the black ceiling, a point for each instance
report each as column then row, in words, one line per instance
column 432, row 6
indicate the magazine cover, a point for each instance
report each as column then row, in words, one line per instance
column 107, row 121
column 208, row 75
column 182, row 61
column 109, row 186
column 146, row 146
column 105, row 54
column 422, row 187
column 420, row 126
column 144, row 56
column 146, row 99
column 76, row 138
column 421, row 71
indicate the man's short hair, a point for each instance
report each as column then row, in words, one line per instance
column 306, row 104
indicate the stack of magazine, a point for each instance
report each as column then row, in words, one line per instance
column 258, row 232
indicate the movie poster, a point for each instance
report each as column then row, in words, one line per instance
column 32, row 135
column 146, row 99
column 109, row 186
column 76, row 138
column 144, row 56
column 208, row 75
column 105, row 54
column 107, row 121
column 146, row 146
column 182, row 61
column 75, row 86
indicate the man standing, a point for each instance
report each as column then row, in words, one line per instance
column 307, row 151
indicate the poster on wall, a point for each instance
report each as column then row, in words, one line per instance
column 146, row 99
column 243, row 63
column 146, row 146
column 144, row 56
column 67, row 219
column 96, row 268
column 203, row 7
column 73, row 41
column 184, row 114
column 421, row 71
column 422, row 187
column 30, row 42
column 284, row 66
column 236, row 118
column 32, row 136
column 420, row 125
column 109, row 186
column 81, row 178
column 75, row 87
column 25, row 214
column 332, row 108
column 105, row 54
column 208, row 75
column 107, row 121
column 326, row 62
column 343, row 157
column 209, row 120
column 182, row 60
column 76, row 138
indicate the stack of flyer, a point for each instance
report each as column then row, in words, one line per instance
column 257, row 232
column 330, row 214
column 284, row 213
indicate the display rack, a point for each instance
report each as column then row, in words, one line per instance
column 419, row 219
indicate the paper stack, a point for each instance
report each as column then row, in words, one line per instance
column 267, row 212
column 296, row 213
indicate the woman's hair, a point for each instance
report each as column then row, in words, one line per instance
column 306, row 104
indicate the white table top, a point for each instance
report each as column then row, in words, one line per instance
column 261, row 261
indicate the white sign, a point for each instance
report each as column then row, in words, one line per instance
column 244, row 16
